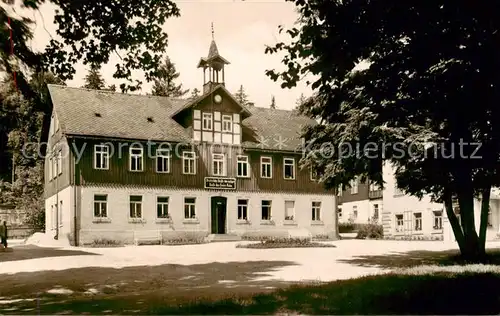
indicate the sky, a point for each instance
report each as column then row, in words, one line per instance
column 242, row 30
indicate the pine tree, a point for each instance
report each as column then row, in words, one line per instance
column 164, row 84
column 301, row 100
column 94, row 80
column 242, row 97
column 273, row 103
column 195, row 93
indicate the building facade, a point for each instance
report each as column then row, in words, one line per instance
column 122, row 166
column 407, row 217
column 360, row 203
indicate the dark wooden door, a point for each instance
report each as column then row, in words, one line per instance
column 218, row 211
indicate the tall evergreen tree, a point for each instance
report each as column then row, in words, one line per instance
column 94, row 79
column 164, row 84
column 273, row 103
column 300, row 101
column 195, row 93
column 242, row 97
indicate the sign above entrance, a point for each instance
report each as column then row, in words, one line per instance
column 220, row 183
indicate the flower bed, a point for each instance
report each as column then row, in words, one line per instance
column 269, row 243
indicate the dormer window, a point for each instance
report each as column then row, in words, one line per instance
column 227, row 123
column 207, row 121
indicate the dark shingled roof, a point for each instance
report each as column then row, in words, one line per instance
column 126, row 116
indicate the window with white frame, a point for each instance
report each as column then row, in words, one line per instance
column 227, row 123
column 50, row 166
column 189, row 208
column 135, row 206
column 266, row 164
column 438, row 219
column 339, row 212
column 243, row 167
column 355, row 212
column 54, row 167
column 418, row 221
column 100, row 205
column 316, row 211
column 354, row 186
column 266, row 210
column 242, row 210
column 52, row 129
column 59, row 162
column 101, row 157
column 399, row 223
column 53, row 217
column 207, row 121
column 339, row 190
column 60, row 219
column 375, row 211
column 289, row 168
column 218, row 165
column 289, row 210
column 163, row 160
column 374, row 186
column 188, row 162
column 314, row 175
column 162, row 207
column 136, row 158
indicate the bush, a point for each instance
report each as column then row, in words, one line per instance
column 185, row 238
column 372, row 231
column 286, row 242
column 103, row 242
column 346, row 228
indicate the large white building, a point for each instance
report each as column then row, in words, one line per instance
column 124, row 167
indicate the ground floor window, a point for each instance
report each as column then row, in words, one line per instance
column 100, row 205
column 289, row 210
column 243, row 210
column 189, row 208
column 490, row 219
column 418, row 221
column 375, row 211
column 60, row 219
column 354, row 212
column 135, row 206
column 399, row 223
column 266, row 210
column 316, row 211
column 438, row 220
column 162, row 207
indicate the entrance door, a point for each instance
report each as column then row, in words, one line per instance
column 219, row 215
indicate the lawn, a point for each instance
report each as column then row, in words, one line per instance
column 222, row 279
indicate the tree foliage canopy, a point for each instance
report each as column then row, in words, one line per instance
column 430, row 83
column 91, row 31
column 164, row 83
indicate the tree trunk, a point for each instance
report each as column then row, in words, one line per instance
column 472, row 251
column 455, row 225
column 485, row 208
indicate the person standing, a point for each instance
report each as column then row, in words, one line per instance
column 3, row 234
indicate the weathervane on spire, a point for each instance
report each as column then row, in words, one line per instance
column 213, row 30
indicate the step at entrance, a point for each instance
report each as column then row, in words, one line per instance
column 223, row 237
